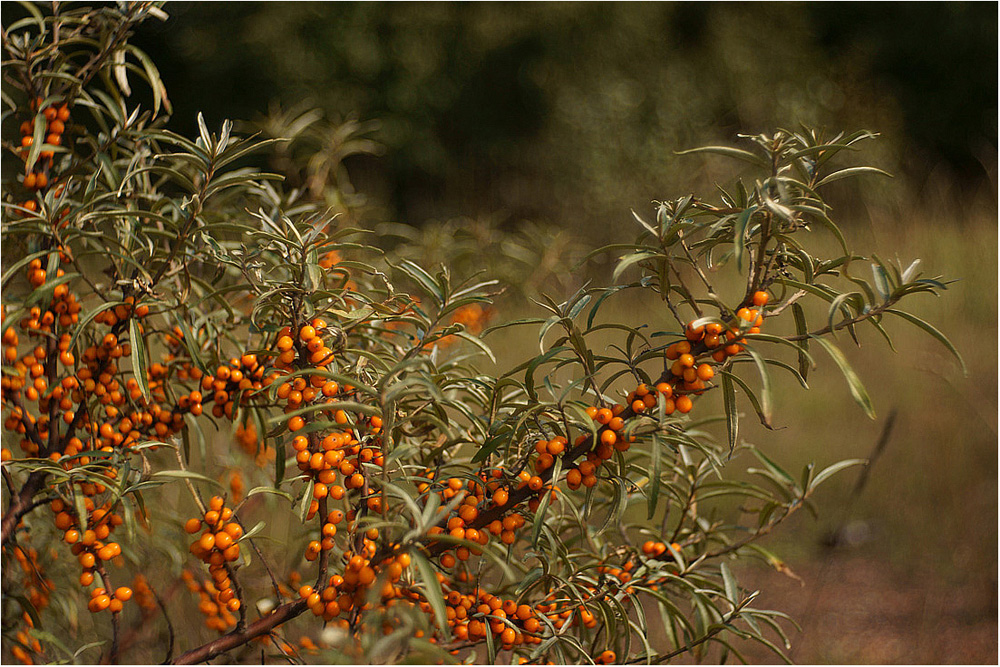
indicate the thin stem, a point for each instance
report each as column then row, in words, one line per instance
column 190, row 486
column 777, row 310
column 877, row 310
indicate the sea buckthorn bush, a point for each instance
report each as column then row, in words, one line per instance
column 214, row 381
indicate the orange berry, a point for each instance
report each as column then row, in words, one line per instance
column 760, row 299
column 224, row 540
column 207, row 541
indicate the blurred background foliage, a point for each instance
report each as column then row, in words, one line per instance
column 569, row 113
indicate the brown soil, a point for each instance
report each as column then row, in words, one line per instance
column 855, row 610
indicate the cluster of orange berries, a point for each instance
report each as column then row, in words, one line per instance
column 101, row 599
column 472, row 616
column 484, row 493
column 95, row 376
column 311, row 349
column 122, row 312
column 24, row 644
column 609, row 439
column 239, row 379
column 32, row 371
column 56, row 118
column 217, row 545
column 344, row 593
column 328, row 531
column 88, row 537
column 336, row 453
column 211, row 603
column 655, row 549
column 688, row 376
column 726, row 342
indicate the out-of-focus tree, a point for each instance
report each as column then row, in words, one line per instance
column 517, row 109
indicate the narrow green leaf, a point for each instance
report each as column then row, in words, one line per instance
column 184, row 474
column 739, row 234
column 732, row 413
column 138, row 345
column 850, row 171
column 271, row 491
column 933, row 332
column 802, row 330
column 432, row 589
column 853, row 381
column 736, row 153
column 307, row 498
column 825, row 473
column 765, row 384
column 881, row 281
column 729, row 584
column 628, row 260
column 654, row 473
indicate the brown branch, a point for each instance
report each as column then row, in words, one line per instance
column 256, row 629
column 21, row 503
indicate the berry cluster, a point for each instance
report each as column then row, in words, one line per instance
column 350, row 591
column 41, row 176
column 212, row 604
column 218, row 547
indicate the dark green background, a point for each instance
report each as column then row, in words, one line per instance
column 527, row 108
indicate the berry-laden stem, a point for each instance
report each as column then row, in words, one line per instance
column 112, row 657
column 519, row 495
